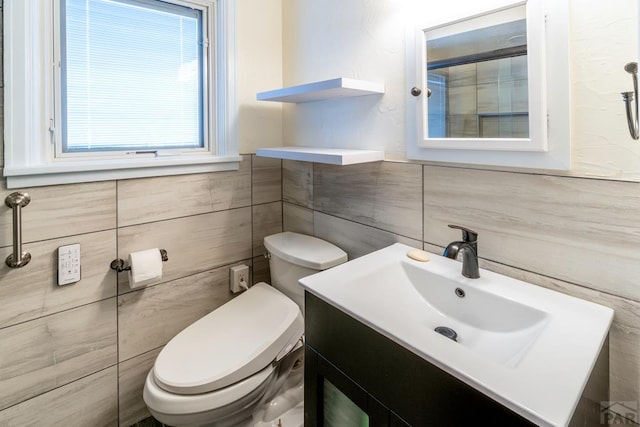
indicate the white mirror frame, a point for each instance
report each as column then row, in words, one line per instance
column 548, row 146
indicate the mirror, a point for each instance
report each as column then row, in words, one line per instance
column 477, row 77
column 482, row 87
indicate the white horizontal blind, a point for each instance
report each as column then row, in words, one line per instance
column 132, row 76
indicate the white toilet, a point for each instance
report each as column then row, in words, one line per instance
column 241, row 365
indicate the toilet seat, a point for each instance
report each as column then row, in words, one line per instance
column 163, row 402
column 230, row 344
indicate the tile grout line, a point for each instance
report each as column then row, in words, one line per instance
column 60, row 386
column 252, row 272
column 524, row 270
column 32, row 242
column 282, row 194
column 117, row 295
column 424, row 212
column 117, row 311
column 312, row 200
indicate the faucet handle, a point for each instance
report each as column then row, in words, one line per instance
column 467, row 234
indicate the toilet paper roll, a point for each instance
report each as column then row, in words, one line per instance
column 146, row 267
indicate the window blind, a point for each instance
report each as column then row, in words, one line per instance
column 132, row 76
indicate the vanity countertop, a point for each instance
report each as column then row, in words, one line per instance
column 527, row 347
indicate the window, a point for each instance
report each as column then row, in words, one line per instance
column 117, row 89
column 132, row 76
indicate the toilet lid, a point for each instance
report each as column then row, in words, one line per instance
column 231, row 343
column 305, row 251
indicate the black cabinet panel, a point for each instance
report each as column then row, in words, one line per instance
column 337, row 399
column 415, row 391
column 311, row 385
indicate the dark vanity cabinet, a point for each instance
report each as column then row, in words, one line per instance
column 355, row 376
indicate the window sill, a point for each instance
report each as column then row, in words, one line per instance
column 106, row 170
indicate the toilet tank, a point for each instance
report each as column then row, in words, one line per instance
column 293, row 256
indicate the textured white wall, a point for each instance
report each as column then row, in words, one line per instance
column 365, row 39
column 604, row 38
column 259, row 68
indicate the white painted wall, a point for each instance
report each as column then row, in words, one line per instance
column 604, row 38
column 365, row 39
column 259, row 68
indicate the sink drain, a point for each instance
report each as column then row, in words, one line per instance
column 447, row 332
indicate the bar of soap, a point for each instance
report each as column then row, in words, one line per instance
column 418, row 255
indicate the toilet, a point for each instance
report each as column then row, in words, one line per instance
column 242, row 364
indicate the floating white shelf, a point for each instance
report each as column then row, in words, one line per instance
column 332, row 156
column 341, row 87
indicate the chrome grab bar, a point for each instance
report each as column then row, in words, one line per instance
column 17, row 201
column 628, row 97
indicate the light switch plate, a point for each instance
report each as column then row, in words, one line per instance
column 68, row 264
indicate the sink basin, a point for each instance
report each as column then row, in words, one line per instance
column 495, row 327
column 515, row 341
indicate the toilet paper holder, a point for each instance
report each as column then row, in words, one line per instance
column 118, row 264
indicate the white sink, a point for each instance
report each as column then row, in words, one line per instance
column 495, row 327
column 529, row 348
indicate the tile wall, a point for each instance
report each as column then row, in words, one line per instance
column 574, row 235
column 81, row 352
column 78, row 354
column 487, row 99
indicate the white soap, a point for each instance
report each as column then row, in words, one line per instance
column 418, row 255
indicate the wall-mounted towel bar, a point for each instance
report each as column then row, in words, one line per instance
column 17, row 201
column 628, row 97
column 119, row 265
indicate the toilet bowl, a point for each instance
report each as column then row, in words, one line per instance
column 241, row 364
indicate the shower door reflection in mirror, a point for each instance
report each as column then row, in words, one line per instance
column 478, row 79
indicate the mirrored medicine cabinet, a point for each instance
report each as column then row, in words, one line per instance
column 491, row 86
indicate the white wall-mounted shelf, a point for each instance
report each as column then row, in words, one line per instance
column 331, row 156
column 340, row 87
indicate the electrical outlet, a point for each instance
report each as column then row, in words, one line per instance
column 239, row 278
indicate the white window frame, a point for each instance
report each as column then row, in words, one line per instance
column 30, row 73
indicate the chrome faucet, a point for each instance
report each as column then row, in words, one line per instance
column 469, row 248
